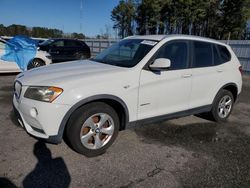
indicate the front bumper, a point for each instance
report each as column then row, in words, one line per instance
column 45, row 123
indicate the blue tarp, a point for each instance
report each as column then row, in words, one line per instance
column 20, row 49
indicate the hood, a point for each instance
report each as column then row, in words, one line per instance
column 63, row 73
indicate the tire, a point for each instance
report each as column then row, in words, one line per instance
column 35, row 63
column 222, row 107
column 86, row 123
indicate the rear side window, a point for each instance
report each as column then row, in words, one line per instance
column 72, row 43
column 203, row 56
column 176, row 51
column 58, row 43
column 224, row 53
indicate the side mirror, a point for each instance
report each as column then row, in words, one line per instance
column 160, row 64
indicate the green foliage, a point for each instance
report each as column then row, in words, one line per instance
column 78, row 35
column 234, row 17
column 39, row 32
column 123, row 16
column 148, row 16
column 210, row 18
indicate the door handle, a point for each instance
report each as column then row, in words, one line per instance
column 186, row 75
column 219, row 70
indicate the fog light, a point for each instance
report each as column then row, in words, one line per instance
column 33, row 112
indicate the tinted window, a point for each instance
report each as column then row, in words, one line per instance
column 224, row 54
column 176, row 51
column 72, row 43
column 217, row 59
column 202, row 54
column 58, row 43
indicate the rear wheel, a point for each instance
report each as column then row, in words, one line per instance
column 222, row 107
column 35, row 63
column 92, row 129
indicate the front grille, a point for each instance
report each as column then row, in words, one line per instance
column 17, row 89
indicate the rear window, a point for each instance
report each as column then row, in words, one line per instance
column 224, row 53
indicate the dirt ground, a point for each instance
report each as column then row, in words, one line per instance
column 185, row 152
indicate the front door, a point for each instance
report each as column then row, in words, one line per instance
column 166, row 92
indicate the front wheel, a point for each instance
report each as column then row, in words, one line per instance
column 35, row 63
column 92, row 128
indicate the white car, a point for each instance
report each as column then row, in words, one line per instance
column 41, row 58
column 141, row 79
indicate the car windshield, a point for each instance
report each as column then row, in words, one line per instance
column 126, row 53
column 46, row 42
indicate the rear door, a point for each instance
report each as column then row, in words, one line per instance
column 207, row 74
column 56, row 50
column 73, row 49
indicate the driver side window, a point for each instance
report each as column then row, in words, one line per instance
column 177, row 52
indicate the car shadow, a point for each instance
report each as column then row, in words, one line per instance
column 6, row 183
column 48, row 172
column 225, row 143
column 170, row 134
column 13, row 118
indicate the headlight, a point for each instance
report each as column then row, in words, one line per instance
column 43, row 93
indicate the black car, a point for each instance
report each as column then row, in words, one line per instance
column 65, row 49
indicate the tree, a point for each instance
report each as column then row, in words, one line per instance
column 123, row 16
column 209, row 18
column 2, row 30
column 148, row 16
column 230, row 18
column 234, row 15
column 39, row 32
column 77, row 36
column 17, row 30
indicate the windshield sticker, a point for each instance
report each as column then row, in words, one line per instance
column 149, row 42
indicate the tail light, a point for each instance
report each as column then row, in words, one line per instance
column 241, row 70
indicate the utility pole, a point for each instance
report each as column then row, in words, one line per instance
column 81, row 5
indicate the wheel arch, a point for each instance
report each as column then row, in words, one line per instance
column 38, row 58
column 114, row 101
column 232, row 87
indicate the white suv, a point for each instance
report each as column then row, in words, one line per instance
column 141, row 79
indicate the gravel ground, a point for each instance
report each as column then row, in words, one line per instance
column 185, row 152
